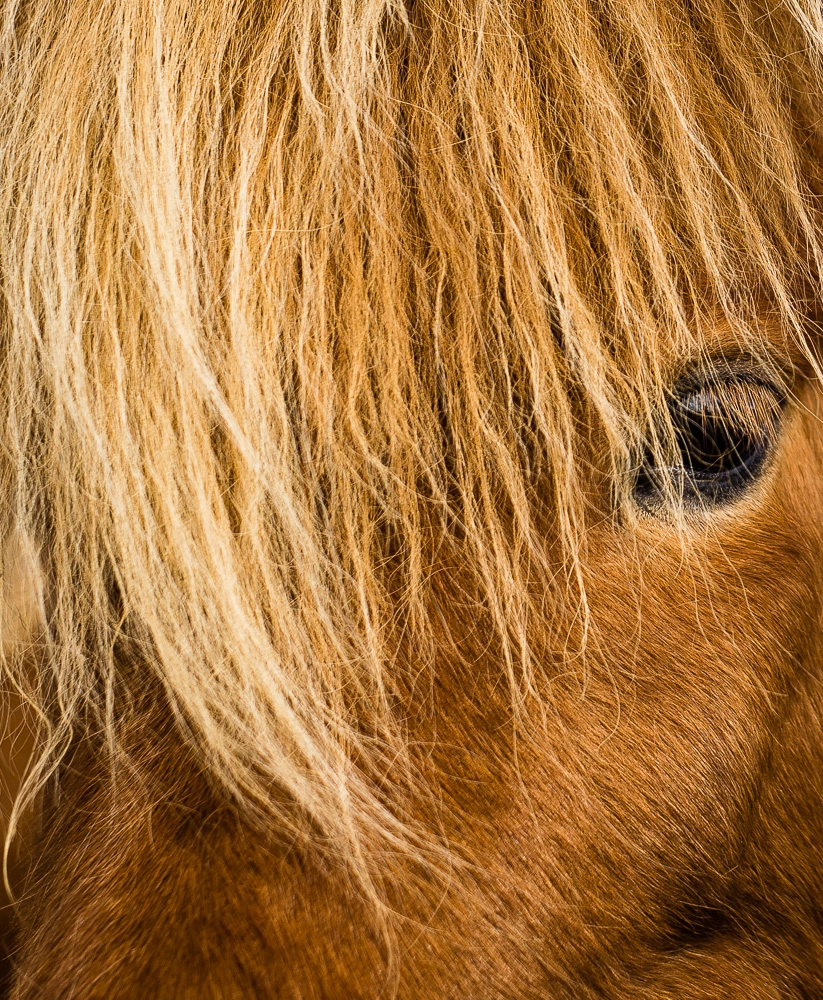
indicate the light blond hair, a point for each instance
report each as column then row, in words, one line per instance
column 292, row 293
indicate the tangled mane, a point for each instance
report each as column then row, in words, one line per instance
column 296, row 298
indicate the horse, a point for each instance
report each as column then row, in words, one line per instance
column 412, row 499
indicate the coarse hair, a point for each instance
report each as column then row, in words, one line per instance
column 296, row 294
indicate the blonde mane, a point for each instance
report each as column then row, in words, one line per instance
column 298, row 297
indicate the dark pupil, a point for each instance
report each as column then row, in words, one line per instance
column 723, row 432
column 713, row 443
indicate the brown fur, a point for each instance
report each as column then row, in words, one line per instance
column 658, row 837
column 354, row 668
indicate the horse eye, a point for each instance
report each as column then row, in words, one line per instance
column 724, row 429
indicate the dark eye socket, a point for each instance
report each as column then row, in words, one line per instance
column 724, row 429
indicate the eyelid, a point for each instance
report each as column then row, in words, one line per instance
column 752, row 405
